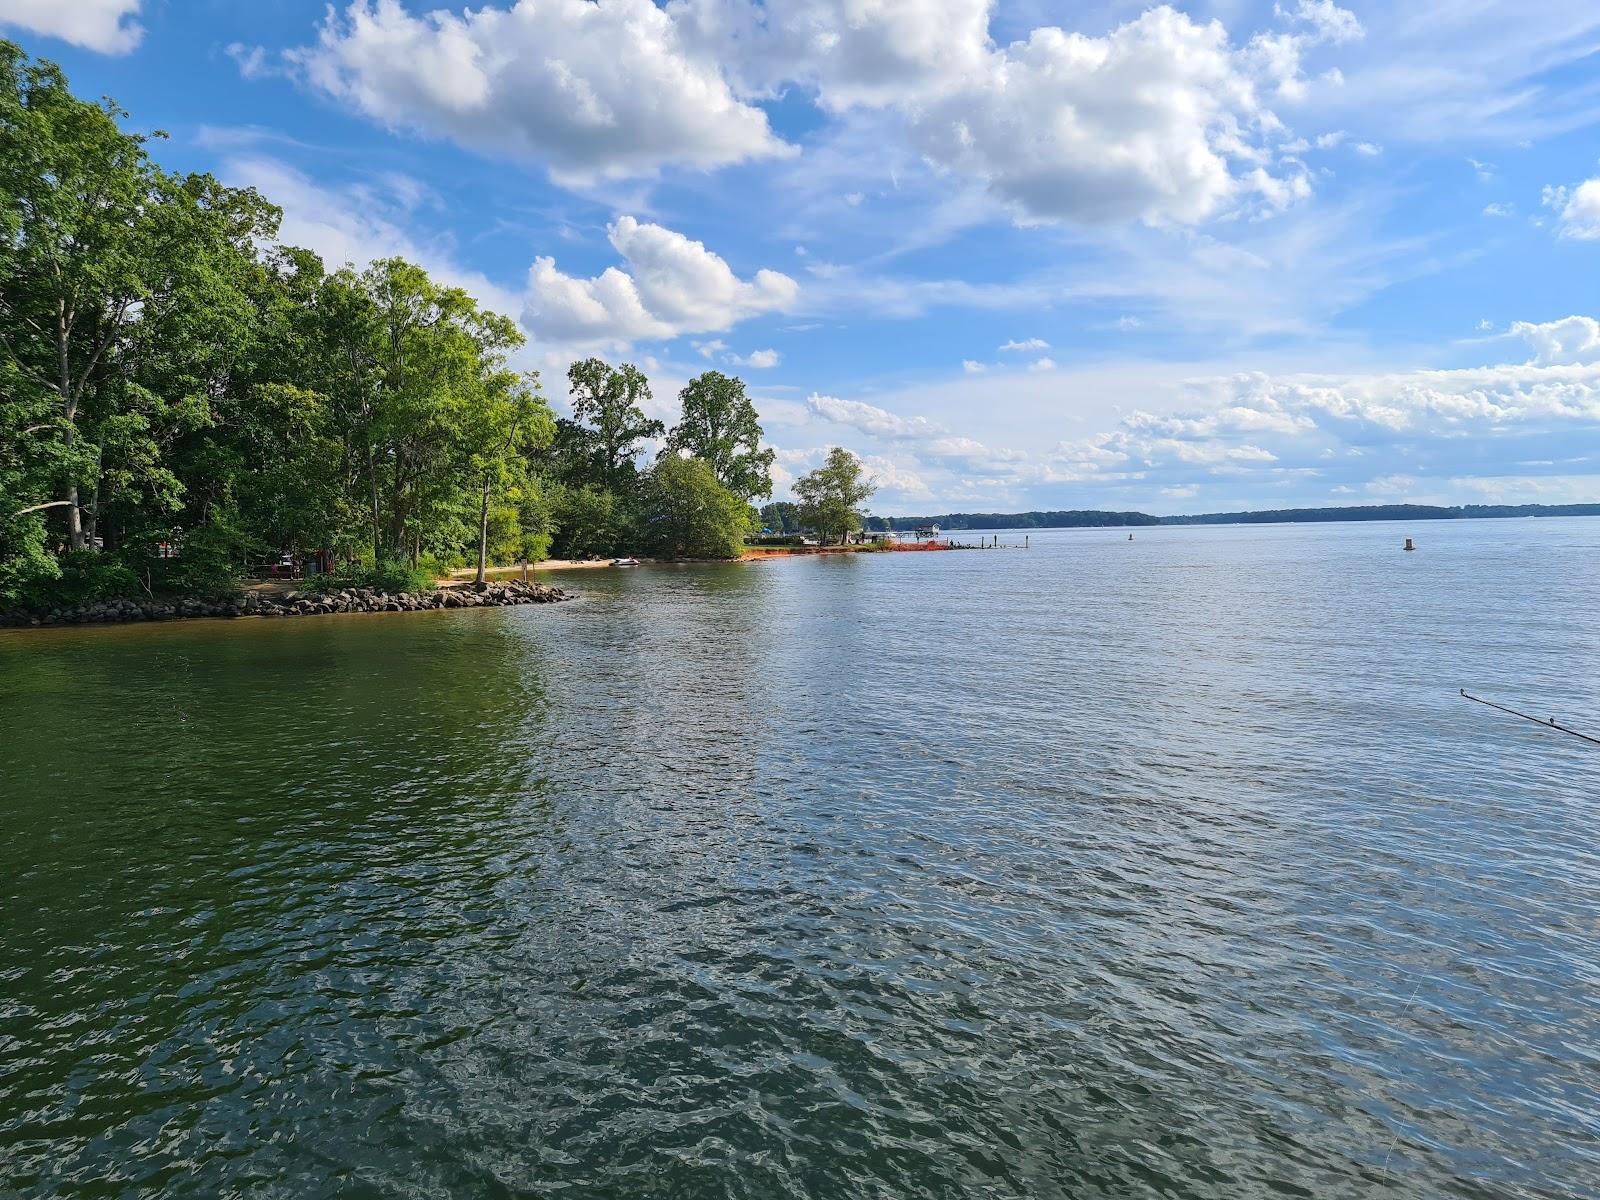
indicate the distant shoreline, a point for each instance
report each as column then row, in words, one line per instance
column 1099, row 519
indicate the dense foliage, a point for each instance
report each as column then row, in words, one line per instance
column 691, row 513
column 719, row 425
column 784, row 517
column 184, row 400
column 830, row 497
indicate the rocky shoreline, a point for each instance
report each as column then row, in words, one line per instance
column 292, row 604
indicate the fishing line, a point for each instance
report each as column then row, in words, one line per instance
column 1544, row 724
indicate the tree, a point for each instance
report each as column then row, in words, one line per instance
column 588, row 521
column 690, row 513
column 510, row 421
column 120, row 293
column 829, row 495
column 781, row 516
column 607, row 399
column 719, row 425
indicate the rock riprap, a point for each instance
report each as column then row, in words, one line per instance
column 293, row 604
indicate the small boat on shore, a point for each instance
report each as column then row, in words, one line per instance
column 625, row 562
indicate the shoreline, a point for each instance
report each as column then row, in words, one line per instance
column 271, row 600
column 506, row 587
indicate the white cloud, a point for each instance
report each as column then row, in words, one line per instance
column 106, row 26
column 672, row 286
column 1157, row 121
column 1042, row 364
column 1396, row 486
column 758, row 360
column 1497, row 209
column 894, row 479
column 1329, row 22
column 973, row 367
column 869, row 419
column 253, row 61
column 595, row 91
column 1309, row 438
column 852, row 52
column 1443, row 71
column 1026, row 344
column 1577, row 209
column 1569, row 340
column 669, row 285
column 1368, row 149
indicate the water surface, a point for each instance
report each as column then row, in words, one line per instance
column 1167, row 868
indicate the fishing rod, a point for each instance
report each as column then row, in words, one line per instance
column 1550, row 724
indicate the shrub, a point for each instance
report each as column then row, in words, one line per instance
column 774, row 539
column 389, row 577
column 204, row 566
column 86, row 576
column 690, row 514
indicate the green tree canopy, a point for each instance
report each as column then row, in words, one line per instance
column 123, row 302
column 606, row 407
column 690, row 513
column 719, row 425
column 829, row 496
column 781, row 516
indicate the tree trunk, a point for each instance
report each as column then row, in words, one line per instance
column 377, row 528
column 483, row 535
column 92, row 530
column 74, row 520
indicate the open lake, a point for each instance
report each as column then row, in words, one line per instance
column 1167, row 868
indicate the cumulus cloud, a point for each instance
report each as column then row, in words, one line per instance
column 1577, row 209
column 672, row 285
column 594, row 91
column 869, row 419
column 668, row 284
column 1569, row 340
column 105, row 26
column 851, row 52
column 1026, row 344
column 1312, row 437
column 758, row 360
column 1158, row 120
column 894, row 479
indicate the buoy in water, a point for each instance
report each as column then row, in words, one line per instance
column 1410, row 545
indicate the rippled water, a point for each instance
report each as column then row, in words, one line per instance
column 1168, row 868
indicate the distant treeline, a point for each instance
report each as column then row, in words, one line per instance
column 1072, row 519
column 1094, row 519
column 1387, row 512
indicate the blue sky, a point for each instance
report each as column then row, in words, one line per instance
column 1015, row 254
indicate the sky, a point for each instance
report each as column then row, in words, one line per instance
column 1016, row 254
